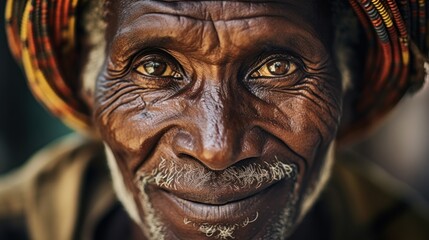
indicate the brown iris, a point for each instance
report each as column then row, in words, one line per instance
column 275, row 68
column 152, row 68
column 155, row 68
column 278, row 67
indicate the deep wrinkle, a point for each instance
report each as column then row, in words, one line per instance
column 199, row 9
column 219, row 121
column 140, row 34
column 261, row 97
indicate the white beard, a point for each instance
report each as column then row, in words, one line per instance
column 152, row 226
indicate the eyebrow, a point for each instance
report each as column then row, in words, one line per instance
column 129, row 39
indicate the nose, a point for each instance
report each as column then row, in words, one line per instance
column 215, row 155
column 217, row 136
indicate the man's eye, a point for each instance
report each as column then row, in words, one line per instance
column 275, row 68
column 153, row 68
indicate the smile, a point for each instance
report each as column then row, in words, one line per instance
column 232, row 211
column 224, row 202
column 242, row 208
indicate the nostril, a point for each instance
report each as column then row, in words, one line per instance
column 185, row 156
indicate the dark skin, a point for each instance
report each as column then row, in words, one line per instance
column 216, row 85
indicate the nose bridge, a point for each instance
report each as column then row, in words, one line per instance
column 218, row 136
column 216, row 133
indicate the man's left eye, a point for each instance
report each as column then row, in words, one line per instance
column 274, row 69
column 156, row 68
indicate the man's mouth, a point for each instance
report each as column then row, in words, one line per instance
column 223, row 204
column 220, row 190
column 194, row 200
column 234, row 207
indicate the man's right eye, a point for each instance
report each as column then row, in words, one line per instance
column 158, row 69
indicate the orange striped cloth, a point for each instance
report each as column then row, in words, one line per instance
column 42, row 36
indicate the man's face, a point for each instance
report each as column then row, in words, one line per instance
column 218, row 116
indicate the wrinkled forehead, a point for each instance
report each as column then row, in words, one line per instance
column 307, row 13
column 224, row 9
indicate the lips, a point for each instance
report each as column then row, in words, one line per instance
column 219, row 195
column 224, row 207
column 192, row 201
column 197, row 184
column 238, row 206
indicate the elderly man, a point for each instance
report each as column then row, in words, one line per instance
column 218, row 119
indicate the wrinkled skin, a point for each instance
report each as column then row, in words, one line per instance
column 215, row 86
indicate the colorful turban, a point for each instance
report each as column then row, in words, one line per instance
column 43, row 38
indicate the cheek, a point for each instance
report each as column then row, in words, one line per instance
column 127, row 115
column 309, row 115
column 315, row 103
column 117, row 103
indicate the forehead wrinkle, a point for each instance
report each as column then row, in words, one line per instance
column 193, row 38
column 154, row 30
column 218, row 20
column 160, row 31
column 215, row 10
column 205, row 11
column 302, row 13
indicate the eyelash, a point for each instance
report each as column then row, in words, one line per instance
column 281, row 57
column 275, row 83
column 163, row 58
column 159, row 82
column 153, row 82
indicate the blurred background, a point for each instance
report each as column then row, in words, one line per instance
column 25, row 126
column 400, row 146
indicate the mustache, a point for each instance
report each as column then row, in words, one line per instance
column 172, row 175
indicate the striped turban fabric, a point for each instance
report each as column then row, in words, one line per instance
column 43, row 38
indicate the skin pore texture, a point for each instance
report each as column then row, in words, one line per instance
column 218, row 117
